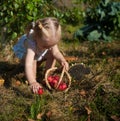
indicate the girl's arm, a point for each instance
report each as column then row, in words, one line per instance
column 29, row 66
column 59, row 57
column 30, row 70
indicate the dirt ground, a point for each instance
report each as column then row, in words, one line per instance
column 94, row 94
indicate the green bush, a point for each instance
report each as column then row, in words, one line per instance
column 100, row 22
column 16, row 14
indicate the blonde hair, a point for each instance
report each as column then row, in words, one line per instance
column 47, row 31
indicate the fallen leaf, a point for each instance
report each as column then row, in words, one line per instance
column 88, row 119
column 48, row 114
column 26, row 82
column 31, row 120
column 82, row 92
column 103, row 53
column 71, row 58
column 2, row 81
column 88, row 110
column 17, row 83
column 115, row 118
column 39, row 116
column 16, row 60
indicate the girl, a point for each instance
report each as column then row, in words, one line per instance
column 38, row 44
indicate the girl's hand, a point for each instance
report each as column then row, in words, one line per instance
column 65, row 64
column 35, row 86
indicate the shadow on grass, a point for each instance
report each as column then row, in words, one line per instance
column 104, row 52
column 7, row 71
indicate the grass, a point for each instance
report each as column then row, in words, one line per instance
column 98, row 90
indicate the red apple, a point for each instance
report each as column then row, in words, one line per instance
column 51, row 83
column 55, row 82
column 40, row 91
column 57, row 77
column 62, row 86
column 50, row 78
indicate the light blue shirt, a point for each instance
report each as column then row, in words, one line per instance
column 20, row 49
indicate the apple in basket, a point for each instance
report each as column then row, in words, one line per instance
column 53, row 80
column 62, row 86
column 50, row 78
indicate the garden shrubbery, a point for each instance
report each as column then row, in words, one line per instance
column 16, row 14
column 100, row 22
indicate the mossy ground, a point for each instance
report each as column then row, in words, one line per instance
column 94, row 95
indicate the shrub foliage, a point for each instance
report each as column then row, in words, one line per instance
column 100, row 22
column 16, row 14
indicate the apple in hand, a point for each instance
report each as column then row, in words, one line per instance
column 40, row 91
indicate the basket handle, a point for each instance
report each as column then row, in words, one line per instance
column 69, row 79
column 46, row 78
column 61, row 77
column 62, row 74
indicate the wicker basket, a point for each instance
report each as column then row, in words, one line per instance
column 64, row 77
